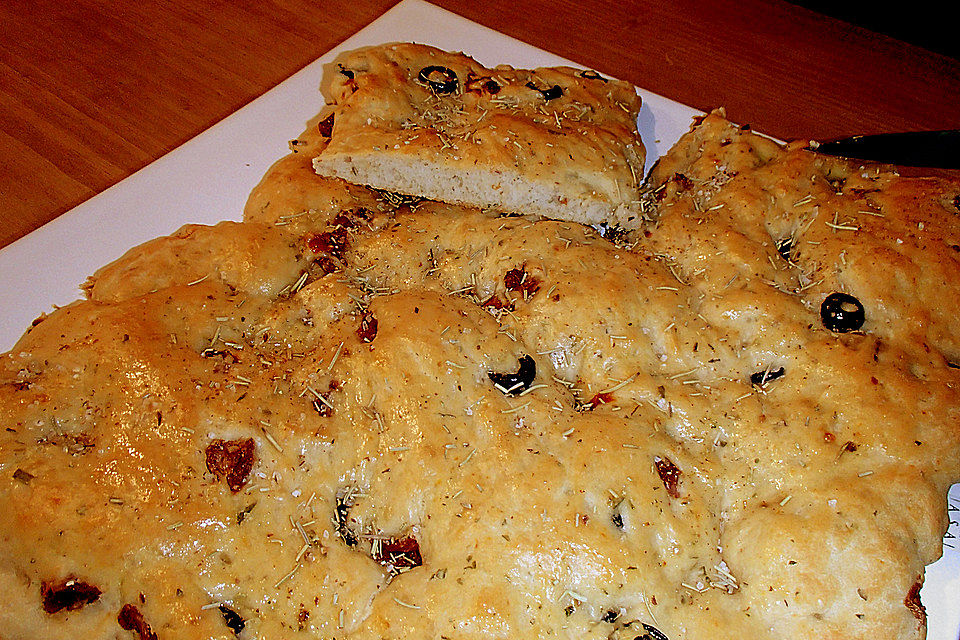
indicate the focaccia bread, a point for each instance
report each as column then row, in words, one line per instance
column 355, row 417
column 556, row 142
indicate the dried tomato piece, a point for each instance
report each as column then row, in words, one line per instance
column 326, row 126
column 327, row 265
column 130, row 619
column 513, row 279
column 494, row 302
column 912, row 601
column 669, row 475
column 70, row 594
column 367, row 330
column 232, row 460
column 519, row 280
column 350, row 218
column 332, row 243
column 600, row 398
column 683, row 182
column 399, row 554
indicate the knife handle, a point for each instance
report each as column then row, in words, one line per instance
column 916, row 148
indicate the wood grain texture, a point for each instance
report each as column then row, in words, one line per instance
column 92, row 90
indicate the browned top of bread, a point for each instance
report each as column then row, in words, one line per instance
column 351, row 417
column 556, row 141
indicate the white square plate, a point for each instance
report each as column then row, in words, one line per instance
column 208, row 179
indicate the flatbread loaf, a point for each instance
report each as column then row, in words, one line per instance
column 556, row 142
column 356, row 416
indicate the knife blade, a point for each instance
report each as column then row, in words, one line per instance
column 915, row 148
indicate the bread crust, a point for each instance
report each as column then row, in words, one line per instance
column 354, row 416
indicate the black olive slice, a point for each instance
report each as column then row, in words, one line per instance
column 610, row 615
column 341, row 513
column 514, row 384
column 590, row 74
column 439, row 79
column 346, row 72
column 652, row 633
column 549, row 93
column 617, row 520
column 784, row 247
column 761, row 378
column 232, row 619
column 842, row 313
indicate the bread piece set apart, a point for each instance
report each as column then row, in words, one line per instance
column 362, row 414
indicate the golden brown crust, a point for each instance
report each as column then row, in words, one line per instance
column 354, row 419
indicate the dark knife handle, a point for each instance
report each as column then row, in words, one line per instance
column 916, row 149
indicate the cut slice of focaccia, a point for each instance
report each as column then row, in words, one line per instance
column 556, row 142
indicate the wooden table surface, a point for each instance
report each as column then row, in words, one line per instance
column 93, row 90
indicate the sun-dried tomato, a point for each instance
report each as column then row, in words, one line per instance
column 600, row 398
column 131, row 619
column 398, row 553
column 69, row 594
column 232, row 460
column 494, row 302
column 912, row 601
column 350, row 218
column 326, row 126
column 519, row 280
column 332, row 243
column 367, row 330
column 669, row 475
